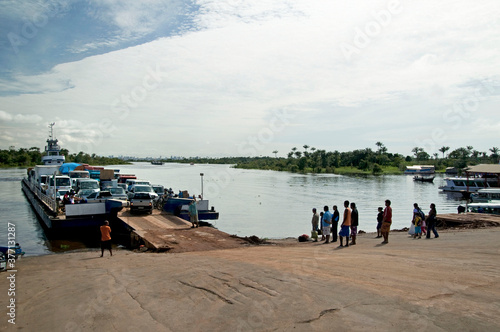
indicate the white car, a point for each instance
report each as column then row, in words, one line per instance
column 141, row 188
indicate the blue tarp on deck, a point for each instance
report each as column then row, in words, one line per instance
column 67, row 167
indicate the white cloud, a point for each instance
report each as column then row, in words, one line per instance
column 35, row 10
column 4, row 116
column 223, row 81
column 135, row 18
column 19, row 118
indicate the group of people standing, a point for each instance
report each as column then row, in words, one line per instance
column 330, row 223
column 350, row 221
column 327, row 223
column 422, row 224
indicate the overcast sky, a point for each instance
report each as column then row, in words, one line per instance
column 247, row 77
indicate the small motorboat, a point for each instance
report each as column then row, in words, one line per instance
column 423, row 178
column 3, row 262
column 15, row 251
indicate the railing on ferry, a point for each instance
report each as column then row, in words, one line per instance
column 49, row 201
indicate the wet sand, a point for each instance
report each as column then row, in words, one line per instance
column 445, row 284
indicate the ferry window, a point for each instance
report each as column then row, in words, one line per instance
column 459, row 183
column 117, row 191
column 78, row 175
column 89, row 185
column 63, row 182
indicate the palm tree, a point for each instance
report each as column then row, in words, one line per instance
column 443, row 149
column 470, row 149
column 306, row 153
column 416, row 150
column 494, row 154
column 381, row 147
column 275, row 153
column 475, row 154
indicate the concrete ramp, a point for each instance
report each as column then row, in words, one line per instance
column 165, row 232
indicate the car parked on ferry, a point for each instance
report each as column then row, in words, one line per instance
column 141, row 188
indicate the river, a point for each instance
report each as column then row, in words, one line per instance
column 268, row 204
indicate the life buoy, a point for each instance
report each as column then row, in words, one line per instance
column 452, row 188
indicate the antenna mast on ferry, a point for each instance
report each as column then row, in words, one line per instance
column 51, row 126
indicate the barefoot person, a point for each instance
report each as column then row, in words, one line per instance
column 386, row 221
column 326, row 224
column 106, row 238
column 380, row 217
column 315, row 220
column 346, row 224
column 193, row 214
column 315, row 224
column 354, row 223
column 335, row 223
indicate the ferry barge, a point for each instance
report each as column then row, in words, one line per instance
column 44, row 186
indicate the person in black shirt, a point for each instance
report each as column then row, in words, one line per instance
column 335, row 223
column 354, row 223
column 380, row 217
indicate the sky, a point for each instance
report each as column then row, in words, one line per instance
column 223, row 78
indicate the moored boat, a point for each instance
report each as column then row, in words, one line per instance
column 423, row 178
column 489, row 208
column 419, row 169
column 44, row 197
column 486, row 195
column 178, row 206
column 460, row 184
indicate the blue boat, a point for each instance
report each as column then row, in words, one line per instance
column 16, row 251
column 179, row 207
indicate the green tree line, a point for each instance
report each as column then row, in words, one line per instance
column 362, row 161
column 29, row 157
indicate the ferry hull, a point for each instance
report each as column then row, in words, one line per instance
column 51, row 221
